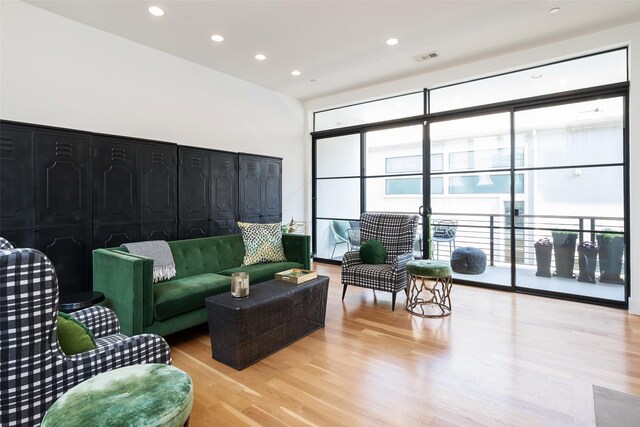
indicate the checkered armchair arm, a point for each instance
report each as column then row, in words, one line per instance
column 139, row 349
column 400, row 262
column 101, row 321
column 350, row 259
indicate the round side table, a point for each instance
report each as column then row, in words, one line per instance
column 430, row 288
column 133, row 396
column 79, row 300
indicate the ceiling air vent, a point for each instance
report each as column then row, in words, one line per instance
column 425, row 56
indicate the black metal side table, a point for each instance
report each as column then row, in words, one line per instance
column 79, row 300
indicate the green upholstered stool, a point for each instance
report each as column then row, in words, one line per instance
column 430, row 297
column 138, row 395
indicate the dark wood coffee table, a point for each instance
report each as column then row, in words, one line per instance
column 274, row 315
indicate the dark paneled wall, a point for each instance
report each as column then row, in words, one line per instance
column 67, row 192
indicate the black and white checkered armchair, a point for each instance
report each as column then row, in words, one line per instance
column 34, row 372
column 5, row 244
column 397, row 234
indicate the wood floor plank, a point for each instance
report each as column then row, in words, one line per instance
column 500, row 359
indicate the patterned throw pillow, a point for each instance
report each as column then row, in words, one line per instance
column 262, row 243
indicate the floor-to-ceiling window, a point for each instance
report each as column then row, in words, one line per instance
column 574, row 175
column 528, row 167
column 337, row 193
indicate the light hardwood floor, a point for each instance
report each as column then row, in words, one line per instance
column 500, row 359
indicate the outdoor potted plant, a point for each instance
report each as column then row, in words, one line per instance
column 587, row 257
column 564, row 247
column 543, row 249
column 610, row 252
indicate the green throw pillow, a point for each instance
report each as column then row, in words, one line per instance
column 262, row 243
column 373, row 252
column 74, row 337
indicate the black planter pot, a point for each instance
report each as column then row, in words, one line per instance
column 543, row 258
column 610, row 251
column 564, row 247
column 587, row 257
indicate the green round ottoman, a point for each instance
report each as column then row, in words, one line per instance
column 138, row 395
column 430, row 297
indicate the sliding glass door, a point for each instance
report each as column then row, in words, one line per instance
column 471, row 190
column 393, row 179
column 573, row 224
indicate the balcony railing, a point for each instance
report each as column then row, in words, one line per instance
column 492, row 233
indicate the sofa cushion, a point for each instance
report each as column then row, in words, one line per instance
column 262, row 272
column 206, row 255
column 262, row 243
column 179, row 296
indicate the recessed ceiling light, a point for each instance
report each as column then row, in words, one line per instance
column 554, row 10
column 156, row 11
column 392, row 42
column 217, row 38
column 260, row 57
column 295, row 73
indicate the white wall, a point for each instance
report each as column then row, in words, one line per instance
column 627, row 35
column 58, row 72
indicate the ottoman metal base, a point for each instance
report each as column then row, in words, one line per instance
column 435, row 282
column 430, row 297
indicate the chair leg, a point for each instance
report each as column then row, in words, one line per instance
column 393, row 302
column 344, row 291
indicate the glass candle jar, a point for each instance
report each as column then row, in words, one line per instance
column 240, row 285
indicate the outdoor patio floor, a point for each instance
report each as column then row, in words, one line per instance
column 526, row 278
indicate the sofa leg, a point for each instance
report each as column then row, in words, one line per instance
column 393, row 302
column 344, row 291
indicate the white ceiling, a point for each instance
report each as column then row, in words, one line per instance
column 340, row 45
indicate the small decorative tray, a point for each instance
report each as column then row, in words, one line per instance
column 296, row 275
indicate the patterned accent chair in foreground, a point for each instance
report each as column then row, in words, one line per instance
column 34, row 371
column 396, row 233
column 5, row 244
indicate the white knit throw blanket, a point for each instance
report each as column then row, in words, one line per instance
column 164, row 267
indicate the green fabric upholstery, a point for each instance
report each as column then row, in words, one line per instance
column 297, row 248
column 206, row 255
column 73, row 336
column 373, row 252
column 262, row 272
column 147, row 284
column 179, row 296
column 428, row 268
column 138, row 395
column 144, row 307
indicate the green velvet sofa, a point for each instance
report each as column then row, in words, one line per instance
column 203, row 269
